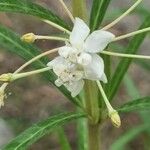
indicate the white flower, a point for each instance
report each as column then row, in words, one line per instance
column 83, row 48
column 68, row 75
column 78, row 59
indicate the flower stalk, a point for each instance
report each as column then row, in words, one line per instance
column 131, row 34
column 56, row 26
column 112, row 113
column 43, row 37
column 67, row 10
column 125, row 55
column 31, row 37
column 26, row 74
column 36, row 58
column 4, row 85
column 122, row 16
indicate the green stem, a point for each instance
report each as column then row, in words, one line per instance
column 91, row 101
column 125, row 55
column 90, row 90
column 92, row 108
column 67, row 10
column 131, row 34
column 113, row 114
column 109, row 107
column 43, row 37
column 31, row 61
column 79, row 9
column 26, row 74
column 122, row 16
column 36, row 58
column 94, row 137
column 56, row 26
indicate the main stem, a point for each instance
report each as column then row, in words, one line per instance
column 92, row 108
column 94, row 139
column 79, row 9
column 91, row 91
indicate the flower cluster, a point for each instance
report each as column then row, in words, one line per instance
column 78, row 59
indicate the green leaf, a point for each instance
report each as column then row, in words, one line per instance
column 99, row 8
column 11, row 42
column 125, row 62
column 127, row 137
column 65, row 145
column 131, row 87
column 38, row 130
column 27, row 7
column 136, row 105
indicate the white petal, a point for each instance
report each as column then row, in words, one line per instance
column 79, row 33
column 104, row 78
column 58, row 65
column 84, row 59
column 75, row 88
column 95, row 69
column 77, row 75
column 97, row 41
column 65, row 51
column 55, row 61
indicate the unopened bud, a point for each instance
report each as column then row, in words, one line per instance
column 115, row 118
column 2, row 96
column 29, row 38
column 6, row 77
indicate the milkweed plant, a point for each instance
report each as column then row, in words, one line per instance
column 81, row 70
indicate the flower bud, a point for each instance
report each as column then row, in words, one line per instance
column 6, row 77
column 2, row 96
column 115, row 118
column 29, row 37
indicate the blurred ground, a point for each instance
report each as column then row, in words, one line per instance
column 31, row 99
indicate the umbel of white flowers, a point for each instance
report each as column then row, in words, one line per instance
column 78, row 60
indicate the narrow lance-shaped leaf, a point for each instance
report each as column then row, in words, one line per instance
column 27, row 7
column 136, row 105
column 125, row 62
column 34, row 133
column 10, row 41
column 134, row 94
column 63, row 139
column 130, row 86
column 99, row 8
